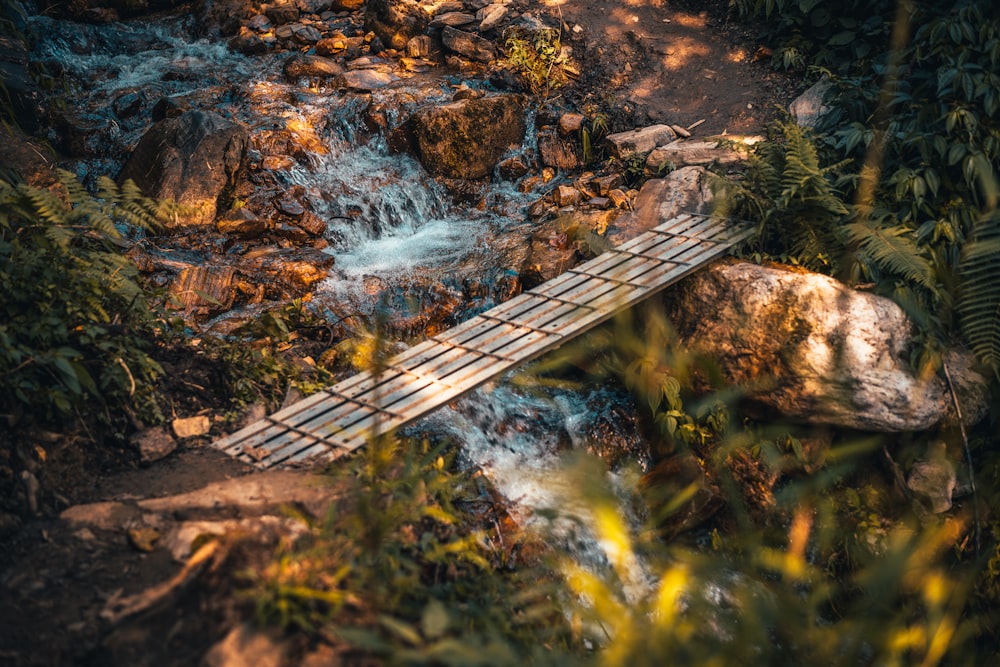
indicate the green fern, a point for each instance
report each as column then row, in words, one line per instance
column 894, row 250
column 979, row 301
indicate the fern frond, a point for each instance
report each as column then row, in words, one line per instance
column 893, row 250
column 979, row 297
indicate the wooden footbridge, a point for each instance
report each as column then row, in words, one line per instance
column 341, row 418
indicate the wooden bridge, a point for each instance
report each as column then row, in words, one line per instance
column 341, row 418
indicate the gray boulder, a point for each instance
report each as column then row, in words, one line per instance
column 812, row 350
column 466, row 138
column 194, row 158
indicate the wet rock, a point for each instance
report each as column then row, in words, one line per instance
column 168, row 107
column 282, row 14
column 311, row 223
column 288, row 273
column 305, row 34
column 241, row 223
column 812, row 350
column 203, row 289
column 291, row 233
column 223, row 17
column 305, row 66
column 641, row 140
column 466, row 139
column 686, row 190
column 195, row 159
column 680, row 153
column 557, row 151
column 420, row 46
column 552, row 253
column 84, row 134
column 808, row 108
column 247, row 43
column 513, row 168
column 128, row 104
column 153, row 443
column 682, row 475
column 367, row 79
column 566, row 195
column 468, row 45
column 395, row 21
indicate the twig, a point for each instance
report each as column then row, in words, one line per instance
column 968, row 454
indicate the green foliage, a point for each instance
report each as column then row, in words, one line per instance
column 535, row 55
column 852, row 33
column 408, row 569
column 913, row 144
column 73, row 317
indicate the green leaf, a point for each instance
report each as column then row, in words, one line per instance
column 434, row 621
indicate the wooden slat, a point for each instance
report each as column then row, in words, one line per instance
column 343, row 417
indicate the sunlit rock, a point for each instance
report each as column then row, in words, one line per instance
column 301, row 65
column 395, row 22
column 809, row 349
column 195, row 159
column 466, row 139
column 640, row 140
column 685, row 190
column 681, row 153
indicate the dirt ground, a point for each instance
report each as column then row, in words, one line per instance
column 677, row 62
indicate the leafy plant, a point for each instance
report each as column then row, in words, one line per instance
column 74, row 318
column 535, row 55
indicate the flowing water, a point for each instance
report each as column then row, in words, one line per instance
column 388, row 223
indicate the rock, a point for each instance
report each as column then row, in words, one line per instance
column 241, row 223
column 203, row 289
column 641, row 140
column 681, row 476
column 606, row 184
column 419, row 46
column 618, row 198
column 153, row 443
column 934, row 480
column 808, row 108
column 194, row 158
column 143, row 538
column 367, row 79
column 290, row 272
column 490, row 16
column 687, row 153
column 686, row 190
column 570, row 123
column 346, row 5
column 566, row 195
column 247, row 43
column 556, row 151
column 512, row 168
column 395, row 21
column 810, row 349
column 305, row 34
column 680, row 131
column 468, row 45
column 305, row 66
column 453, row 19
column 244, row 647
column 466, row 139
column 331, row 46
column 190, row 427
column 282, row 14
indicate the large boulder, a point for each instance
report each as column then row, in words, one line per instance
column 466, row 139
column 812, row 350
column 395, row 21
column 194, row 158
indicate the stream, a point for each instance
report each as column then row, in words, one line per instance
column 387, row 224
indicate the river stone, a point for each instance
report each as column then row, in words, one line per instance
column 468, row 45
column 367, row 79
column 203, row 289
column 640, row 140
column 395, row 21
column 195, row 159
column 682, row 153
column 282, row 14
column 686, row 190
column 814, row 351
column 306, row 66
column 808, row 108
column 346, row 5
column 466, row 138
column 557, row 151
